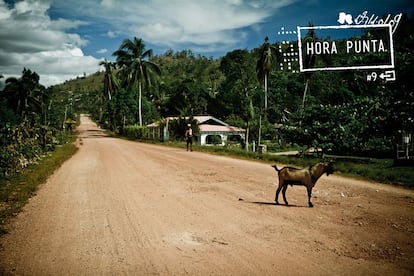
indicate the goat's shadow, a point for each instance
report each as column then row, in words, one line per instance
column 271, row 203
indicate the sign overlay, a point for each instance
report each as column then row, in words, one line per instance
column 366, row 45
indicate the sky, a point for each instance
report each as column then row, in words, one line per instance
column 64, row 39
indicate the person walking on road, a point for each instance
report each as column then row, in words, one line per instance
column 189, row 136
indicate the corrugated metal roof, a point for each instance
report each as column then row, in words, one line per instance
column 217, row 128
column 205, row 126
column 203, row 119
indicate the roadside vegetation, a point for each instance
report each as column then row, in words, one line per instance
column 36, row 126
column 34, row 120
column 16, row 190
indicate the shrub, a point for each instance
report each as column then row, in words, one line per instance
column 135, row 132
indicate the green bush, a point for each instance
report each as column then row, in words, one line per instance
column 26, row 147
column 135, row 132
column 353, row 128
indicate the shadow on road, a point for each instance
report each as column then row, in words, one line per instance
column 92, row 133
column 271, row 203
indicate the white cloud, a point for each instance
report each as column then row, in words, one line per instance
column 176, row 23
column 29, row 38
column 107, row 3
column 113, row 34
column 102, row 51
column 195, row 22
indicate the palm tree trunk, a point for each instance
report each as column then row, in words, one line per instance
column 247, row 137
column 64, row 118
column 260, row 129
column 304, row 94
column 140, row 103
column 265, row 86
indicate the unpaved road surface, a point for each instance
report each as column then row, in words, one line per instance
column 121, row 207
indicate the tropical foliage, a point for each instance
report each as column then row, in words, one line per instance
column 32, row 121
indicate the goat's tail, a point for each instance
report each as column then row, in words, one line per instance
column 275, row 167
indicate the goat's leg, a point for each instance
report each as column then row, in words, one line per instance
column 278, row 191
column 284, row 193
column 309, row 196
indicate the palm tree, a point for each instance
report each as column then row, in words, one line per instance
column 20, row 93
column 263, row 69
column 264, row 65
column 135, row 66
column 110, row 81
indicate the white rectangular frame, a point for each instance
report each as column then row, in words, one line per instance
column 383, row 66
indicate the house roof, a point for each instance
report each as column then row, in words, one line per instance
column 207, row 124
column 218, row 128
column 209, row 120
column 200, row 119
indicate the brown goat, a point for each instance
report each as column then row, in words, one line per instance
column 305, row 177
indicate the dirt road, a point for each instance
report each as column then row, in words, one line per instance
column 121, row 207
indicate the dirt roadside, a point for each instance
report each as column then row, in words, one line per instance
column 120, row 207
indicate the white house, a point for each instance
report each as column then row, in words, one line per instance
column 212, row 131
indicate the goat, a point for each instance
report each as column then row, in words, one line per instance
column 305, row 177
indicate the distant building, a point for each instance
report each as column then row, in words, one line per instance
column 212, row 131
